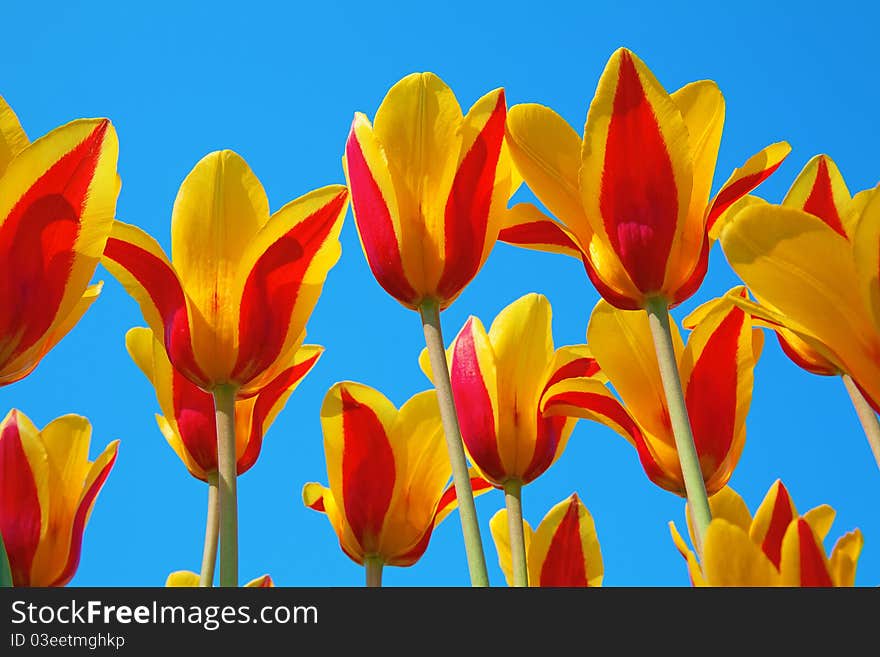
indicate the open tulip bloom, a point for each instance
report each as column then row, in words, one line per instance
column 562, row 551
column 231, row 305
column 48, row 487
column 187, row 578
column 57, row 201
column 189, row 424
column 812, row 263
column 429, row 191
column 717, row 366
column 633, row 202
column 388, row 473
column 778, row 547
column 503, row 383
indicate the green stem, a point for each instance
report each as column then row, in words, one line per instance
column 212, row 531
column 695, row 488
column 5, row 569
column 467, row 510
column 373, row 568
column 224, row 414
column 866, row 416
column 513, row 502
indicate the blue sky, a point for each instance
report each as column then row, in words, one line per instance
column 278, row 83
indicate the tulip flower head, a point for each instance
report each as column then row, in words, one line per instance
column 717, row 370
column 189, row 579
column 632, row 195
column 812, row 264
column 502, row 382
column 232, row 303
column 48, row 487
column 778, row 547
column 429, row 188
column 189, row 424
column 562, row 551
column 388, row 473
column 57, row 201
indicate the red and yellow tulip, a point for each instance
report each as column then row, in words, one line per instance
column 57, row 201
column 502, row 381
column 429, row 188
column 231, row 305
column 388, row 473
column 717, row 369
column 812, row 264
column 562, row 551
column 778, row 547
column 48, row 487
column 188, row 423
column 187, row 578
column 632, row 195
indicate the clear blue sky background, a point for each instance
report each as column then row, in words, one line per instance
column 278, row 82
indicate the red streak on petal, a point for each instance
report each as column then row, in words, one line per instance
column 780, row 518
column 194, row 414
column 579, row 367
column 272, row 289
column 549, row 434
column 20, row 516
column 687, row 289
column 639, row 196
column 537, row 232
column 822, row 369
column 79, row 524
column 735, row 191
column 711, row 394
column 468, row 205
column 813, row 569
column 820, row 202
column 161, row 283
column 368, row 471
column 318, row 505
column 37, row 241
column 474, row 405
column 564, row 564
column 375, row 226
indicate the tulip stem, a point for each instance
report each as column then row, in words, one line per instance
column 467, row 510
column 5, row 569
column 373, row 568
column 513, row 502
column 212, row 531
column 866, row 414
column 224, row 415
column 695, row 487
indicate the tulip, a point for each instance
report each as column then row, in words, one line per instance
column 778, row 547
column 717, row 366
column 189, row 426
column 501, row 381
column 633, row 197
column 388, row 476
column 57, row 201
column 186, row 578
column 48, row 487
column 563, row 551
column 232, row 303
column 811, row 265
column 429, row 191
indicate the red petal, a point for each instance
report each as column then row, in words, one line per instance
column 564, row 563
column 813, row 569
column 779, row 521
column 820, row 202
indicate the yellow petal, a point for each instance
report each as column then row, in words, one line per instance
column 547, row 152
column 621, row 341
column 522, row 340
column 13, row 139
column 731, row 559
column 693, row 565
column 820, row 519
column 219, row 209
column 500, row 530
column 845, row 557
column 182, row 578
column 417, row 125
column 564, row 549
